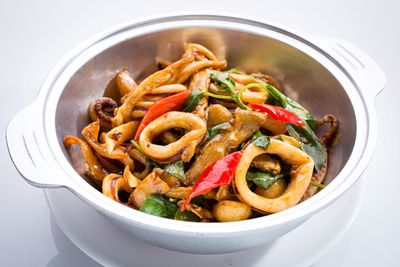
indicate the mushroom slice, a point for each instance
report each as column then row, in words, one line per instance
column 120, row 134
column 301, row 174
column 152, row 184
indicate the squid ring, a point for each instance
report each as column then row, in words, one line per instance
column 301, row 174
column 194, row 126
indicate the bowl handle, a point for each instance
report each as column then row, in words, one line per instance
column 364, row 70
column 29, row 150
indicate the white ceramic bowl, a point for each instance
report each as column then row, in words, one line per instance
column 325, row 75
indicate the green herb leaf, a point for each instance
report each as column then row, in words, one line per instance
column 176, row 169
column 263, row 179
column 186, row 216
column 192, row 101
column 309, row 143
column 262, row 141
column 159, row 206
column 213, row 131
column 305, row 135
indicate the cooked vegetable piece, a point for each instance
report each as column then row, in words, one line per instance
column 170, row 103
column 229, row 211
column 176, row 169
column 278, row 113
column 217, row 114
column 218, row 174
column 274, row 191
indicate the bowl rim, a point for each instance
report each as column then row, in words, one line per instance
column 59, row 76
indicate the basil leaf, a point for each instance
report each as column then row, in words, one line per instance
column 186, row 216
column 213, row 131
column 309, row 143
column 176, row 169
column 263, row 179
column 262, row 141
column 159, row 206
column 192, row 101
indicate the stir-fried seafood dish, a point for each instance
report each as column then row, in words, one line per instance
column 196, row 142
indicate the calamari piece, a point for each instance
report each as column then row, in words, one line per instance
column 108, row 164
column 131, row 179
column 113, row 184
column 302, row 169
column 120, row 134
column 169, row 89
column 199, row 49
column 196, row 66
column 91, row 134
column 244, row 78
column 195, row 130
column 200, row 82
column 169, row 75
column 139, row 157
column 152, row 184
column 252, row 95
column 155, row 95
column 102, row 109
column 95, row 170
column 125, row 83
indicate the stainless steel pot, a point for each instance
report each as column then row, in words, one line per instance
column 325, row 75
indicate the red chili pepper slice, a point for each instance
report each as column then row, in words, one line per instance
column 217, row 174
column 170, row 103
column 278, row 113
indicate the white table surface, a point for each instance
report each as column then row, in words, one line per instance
column 34, row 35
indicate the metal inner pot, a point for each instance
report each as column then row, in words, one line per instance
column 305, row 79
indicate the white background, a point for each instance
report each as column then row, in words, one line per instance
column 34, row 35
